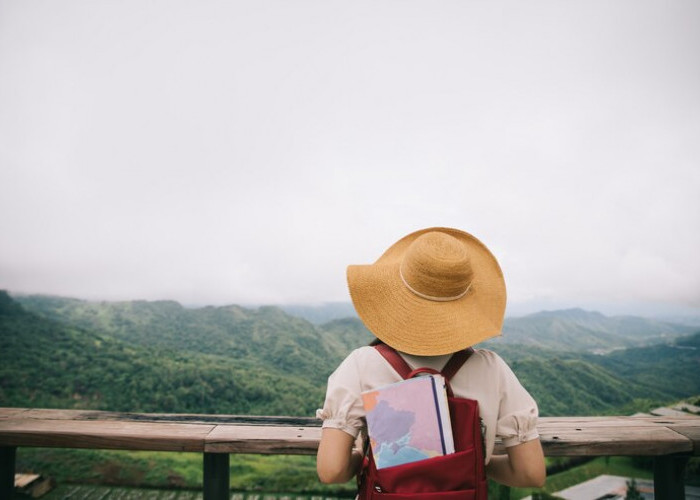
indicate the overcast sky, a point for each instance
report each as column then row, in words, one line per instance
column 247, row 151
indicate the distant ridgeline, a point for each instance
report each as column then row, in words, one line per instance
column 162, row 357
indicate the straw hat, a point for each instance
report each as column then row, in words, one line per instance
column 435, row 291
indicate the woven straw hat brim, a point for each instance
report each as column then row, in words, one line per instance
column 420, row 326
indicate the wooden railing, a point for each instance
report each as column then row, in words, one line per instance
column 670, row 440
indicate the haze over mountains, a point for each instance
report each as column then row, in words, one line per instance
column 576, row 329
column 672, row 313
column 567, row 329
column 160, row 356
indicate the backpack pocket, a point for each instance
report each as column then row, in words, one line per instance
column 453, row 473
column 435, row 495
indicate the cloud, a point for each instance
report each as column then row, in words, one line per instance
column 248, row 152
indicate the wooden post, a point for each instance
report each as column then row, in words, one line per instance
column 7, row 471
column 216, row 476
column 668, row 477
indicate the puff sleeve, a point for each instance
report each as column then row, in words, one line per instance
column 342, row 408
column 517, row 414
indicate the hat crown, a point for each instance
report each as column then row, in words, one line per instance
column 437, row 266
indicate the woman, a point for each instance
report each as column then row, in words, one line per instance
column 434, row 292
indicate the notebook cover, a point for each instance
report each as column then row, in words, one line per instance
column 408, row 421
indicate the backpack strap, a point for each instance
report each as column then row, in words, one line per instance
column 395, row 360
column 399, row 364
column 456, row 362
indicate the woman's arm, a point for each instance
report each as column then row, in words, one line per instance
column 523, row 466
column 337, row 461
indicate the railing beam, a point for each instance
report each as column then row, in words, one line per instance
column 216, row 476
column 668, row 477
column 7, row 471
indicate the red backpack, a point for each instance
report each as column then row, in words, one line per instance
column 457, row 475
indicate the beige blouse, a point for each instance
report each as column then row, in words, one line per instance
column 506, row 408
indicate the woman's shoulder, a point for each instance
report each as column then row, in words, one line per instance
column 362, row 353
column 364, row 350
column 361, row 356
column 487, row 357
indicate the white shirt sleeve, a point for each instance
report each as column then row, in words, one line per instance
column 517, row 413
column 343, row 408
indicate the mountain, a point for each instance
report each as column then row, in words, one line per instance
column 665, row 368
column 579, row 330
column 321, row 313
column 346, row 334
column 562, row 330
column 48, row 363
column 266, row 336
column 542, row 334
column 621, row 382
column 159, row 356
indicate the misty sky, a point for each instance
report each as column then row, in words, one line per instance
column 218, row 152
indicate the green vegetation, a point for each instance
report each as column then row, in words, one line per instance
column 611, row 384
column 259, row 473
column 278, row 473
column 264, row 337
column 669, row 370
column 60, row 366
column 160, row 357
column 88, row 492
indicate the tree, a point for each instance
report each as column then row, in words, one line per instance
column 632, row 491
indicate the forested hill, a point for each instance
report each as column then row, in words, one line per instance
column 251, row 366
column 622, row 382
column 266, row 337
column 159, row 356
column 576, row 329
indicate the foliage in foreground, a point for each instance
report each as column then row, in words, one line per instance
column 256, row 472
column 276, row 473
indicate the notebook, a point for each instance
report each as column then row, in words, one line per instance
column 408, row 421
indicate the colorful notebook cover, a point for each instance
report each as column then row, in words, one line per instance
column 408, row 421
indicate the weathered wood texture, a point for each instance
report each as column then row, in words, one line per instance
column 595, row 436
column 262, row 439
column 104, row 434
column 561, row 436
